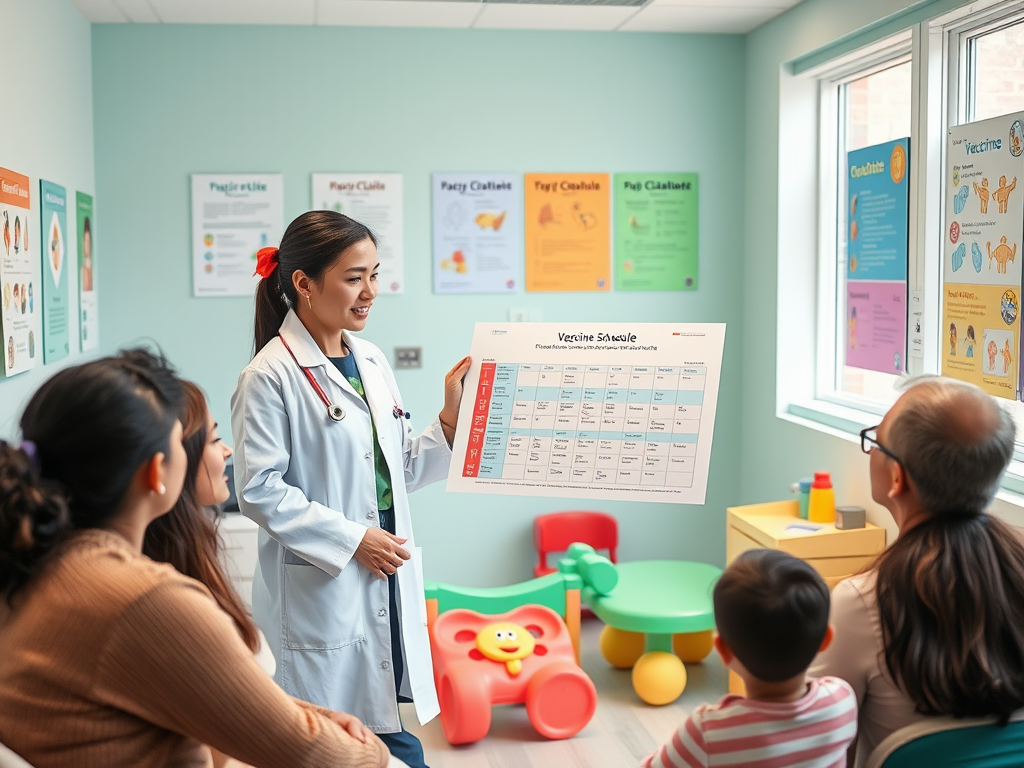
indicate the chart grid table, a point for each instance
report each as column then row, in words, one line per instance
column 618, row 425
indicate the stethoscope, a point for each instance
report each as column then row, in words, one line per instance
column 335, row 412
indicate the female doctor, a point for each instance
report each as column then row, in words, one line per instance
column 325, row 459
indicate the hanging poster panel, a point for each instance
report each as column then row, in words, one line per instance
column 53, row 205
column 655, row 231
column 568, row 233
column 89, row 323
column 373, row 199
column 878, row 200
column 981, row 254
column 478, row 232
column 19, row 276
column 233, row 216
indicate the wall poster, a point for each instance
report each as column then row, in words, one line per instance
column 877, row 213
column 20, row 329
column 568, row 232
column 478, row 232
column 233, row 216
column 655, row 231
column 981, row 254
column 53, row 206
column 89, row 324
column 373, row 199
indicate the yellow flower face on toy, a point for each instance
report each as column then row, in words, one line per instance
column 506, row 642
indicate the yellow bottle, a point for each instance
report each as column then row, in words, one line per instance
column 821, row 507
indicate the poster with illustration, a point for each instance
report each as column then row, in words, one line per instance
column 373, row 199
column 568, row 232
column 19, row 275
column 875, row 229
column 233, row 216
column 53, row 219
column 478, row 232
column 981, row 259
column 655, row 231
column 89, row 324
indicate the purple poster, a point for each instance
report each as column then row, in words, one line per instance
column 876, row 325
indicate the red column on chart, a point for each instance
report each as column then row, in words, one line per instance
column 471, row 467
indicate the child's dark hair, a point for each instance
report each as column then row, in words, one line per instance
column 772, row 610
column 312, row 243
column 87, row 430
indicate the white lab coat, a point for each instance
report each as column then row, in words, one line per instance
column 309, row 483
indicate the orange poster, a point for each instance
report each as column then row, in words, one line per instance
column 568, row 236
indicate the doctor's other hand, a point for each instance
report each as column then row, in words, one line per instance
column 453, row 395
column 380, row 553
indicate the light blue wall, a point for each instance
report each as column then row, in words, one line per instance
column 777, row 452
column 171, row 101
column 46, row 132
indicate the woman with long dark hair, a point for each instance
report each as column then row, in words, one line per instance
column 325, row 458
column 109, row 659
column 186, row 537
column 935, row 626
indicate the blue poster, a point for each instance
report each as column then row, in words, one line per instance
column 878, row 199
column 56, row 309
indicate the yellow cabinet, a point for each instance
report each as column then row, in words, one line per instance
column 833, row 553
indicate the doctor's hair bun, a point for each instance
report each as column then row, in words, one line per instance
column 33, row 517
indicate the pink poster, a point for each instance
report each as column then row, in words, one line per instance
column 876, row 325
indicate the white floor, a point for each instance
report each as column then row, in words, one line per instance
column 623, row 731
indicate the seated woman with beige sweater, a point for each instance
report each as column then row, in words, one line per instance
column 110, row 659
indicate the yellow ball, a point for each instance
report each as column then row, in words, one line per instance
column 659, row 678
column 693, row 647
column 620, row 648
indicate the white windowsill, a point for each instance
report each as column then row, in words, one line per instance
column 846, row 423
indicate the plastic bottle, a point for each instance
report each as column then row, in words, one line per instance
column 803, row 487
column 821, row 507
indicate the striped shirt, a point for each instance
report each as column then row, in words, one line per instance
column 812, row 732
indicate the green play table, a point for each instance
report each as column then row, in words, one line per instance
column 659, row 598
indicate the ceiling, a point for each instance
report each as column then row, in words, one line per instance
column 697, row 16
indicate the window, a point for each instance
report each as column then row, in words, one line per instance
column 866, row 101
column 965, row 66
column 875, row 109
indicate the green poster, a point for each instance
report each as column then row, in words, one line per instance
column 655, row 231
column 56, row 319
column 88, row 322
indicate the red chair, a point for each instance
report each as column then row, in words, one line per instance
column 555, row 532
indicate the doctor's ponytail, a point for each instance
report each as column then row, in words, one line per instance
column 313, row 243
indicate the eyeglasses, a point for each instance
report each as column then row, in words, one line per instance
column 869, row 441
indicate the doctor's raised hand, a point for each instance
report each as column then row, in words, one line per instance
column 325, row 460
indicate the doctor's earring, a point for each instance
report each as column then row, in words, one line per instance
column 309, row 301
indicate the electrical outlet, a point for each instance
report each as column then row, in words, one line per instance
column 408, row 357
column 518, row 315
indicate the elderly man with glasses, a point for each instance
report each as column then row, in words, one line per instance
column 935, row 626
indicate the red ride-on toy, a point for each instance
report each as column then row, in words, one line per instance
column 523, row 656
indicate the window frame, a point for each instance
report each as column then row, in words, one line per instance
column 943, row 62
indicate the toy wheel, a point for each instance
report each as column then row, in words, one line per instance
column 693, row 647
column 560, row 700
column 659, row 678
column 620, row 648
column 465, row 705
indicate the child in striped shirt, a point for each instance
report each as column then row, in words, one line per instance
column 772, row 616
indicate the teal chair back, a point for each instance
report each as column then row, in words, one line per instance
column 945, row 742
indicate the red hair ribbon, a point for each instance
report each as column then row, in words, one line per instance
column 266, row 261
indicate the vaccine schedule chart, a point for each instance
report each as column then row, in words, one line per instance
column 596, row 410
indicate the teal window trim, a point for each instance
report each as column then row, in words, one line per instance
column 900, row 21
